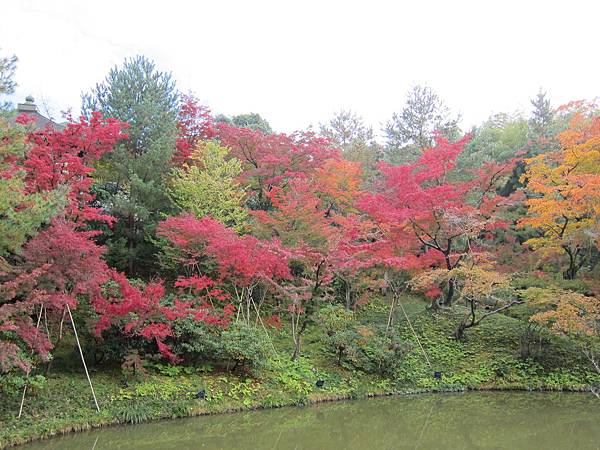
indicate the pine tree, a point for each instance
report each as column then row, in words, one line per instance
column 541, row 116
column 413, row 130
column 8, row 65
column 131, row 180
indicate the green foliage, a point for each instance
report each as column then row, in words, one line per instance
column 209, row 186
column 499, row 138
column 17, row 224
column 196, row 342
column 296, row 377
column 253, row 121
column 170, row 370
column 13, row 383
column 371, row 349
column 348, row 131
column 8, row 65
column 180, row 409
column 340, row 333
column 542, row 116
column 244, row 346
column 133, row 413
column 412, row 129
column 379, row 351
column 132, row 178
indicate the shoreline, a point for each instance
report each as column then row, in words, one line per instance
column 311, row 400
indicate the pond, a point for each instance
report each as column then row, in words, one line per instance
column 483, row 420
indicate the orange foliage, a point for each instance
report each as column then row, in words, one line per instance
column 565, row 205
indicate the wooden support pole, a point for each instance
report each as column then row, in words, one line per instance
column 37, row 327
column 82, row 358
column 415, row 333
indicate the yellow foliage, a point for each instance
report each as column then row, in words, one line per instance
column 570, row 313
column 565, row 188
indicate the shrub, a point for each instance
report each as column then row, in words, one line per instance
column 379, row 351
column 533, row 341
column 197, row 342
column 340, row 334
column 369, row 349
column 244, row 346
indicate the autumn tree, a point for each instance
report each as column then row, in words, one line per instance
column 270, row 160
column 194, row 124
column 413, row 129
column 569, row 314
column 208, row 186
column 61, row 265
column 563, row 205
column 66, row 158
column 433, row 220
column 22, row 212
column 210, row 253
column 315, row 220
column 131, row 180
column 484, row 290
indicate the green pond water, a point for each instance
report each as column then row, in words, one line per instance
column 486, row 420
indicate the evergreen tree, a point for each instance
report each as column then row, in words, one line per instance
column 252, row 121
column 347, row 130
column 8, row 65
column 541, row 116
column 412, row 131
column 131, row 180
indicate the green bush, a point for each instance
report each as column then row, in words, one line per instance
column 340, row 334
column 379, row 351
column 369, row 349
column 244, row 346
column 197, row 342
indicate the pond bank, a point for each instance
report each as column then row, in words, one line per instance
column 469, row 421
column 108, row 416
column 490, row 358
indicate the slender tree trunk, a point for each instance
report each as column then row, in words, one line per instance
column 451, row 283
column 449, row 293
column 573, row 268
column 348, row 297
column 131, row 246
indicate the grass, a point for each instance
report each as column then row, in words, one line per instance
column 489, row 358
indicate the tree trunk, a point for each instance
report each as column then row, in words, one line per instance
column 131, row 246
column 449, row 293
column 459, row 333
column 348, row 298
column 298, row 339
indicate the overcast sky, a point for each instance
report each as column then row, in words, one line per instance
column 296, row 63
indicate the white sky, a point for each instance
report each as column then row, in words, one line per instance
column 296, row 63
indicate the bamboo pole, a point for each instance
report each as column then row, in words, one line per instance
column 415, row 333
column 37, row 327
column 82, row 358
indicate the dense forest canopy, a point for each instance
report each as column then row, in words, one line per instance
column 177, row 235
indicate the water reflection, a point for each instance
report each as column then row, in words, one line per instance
column 502, row 420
